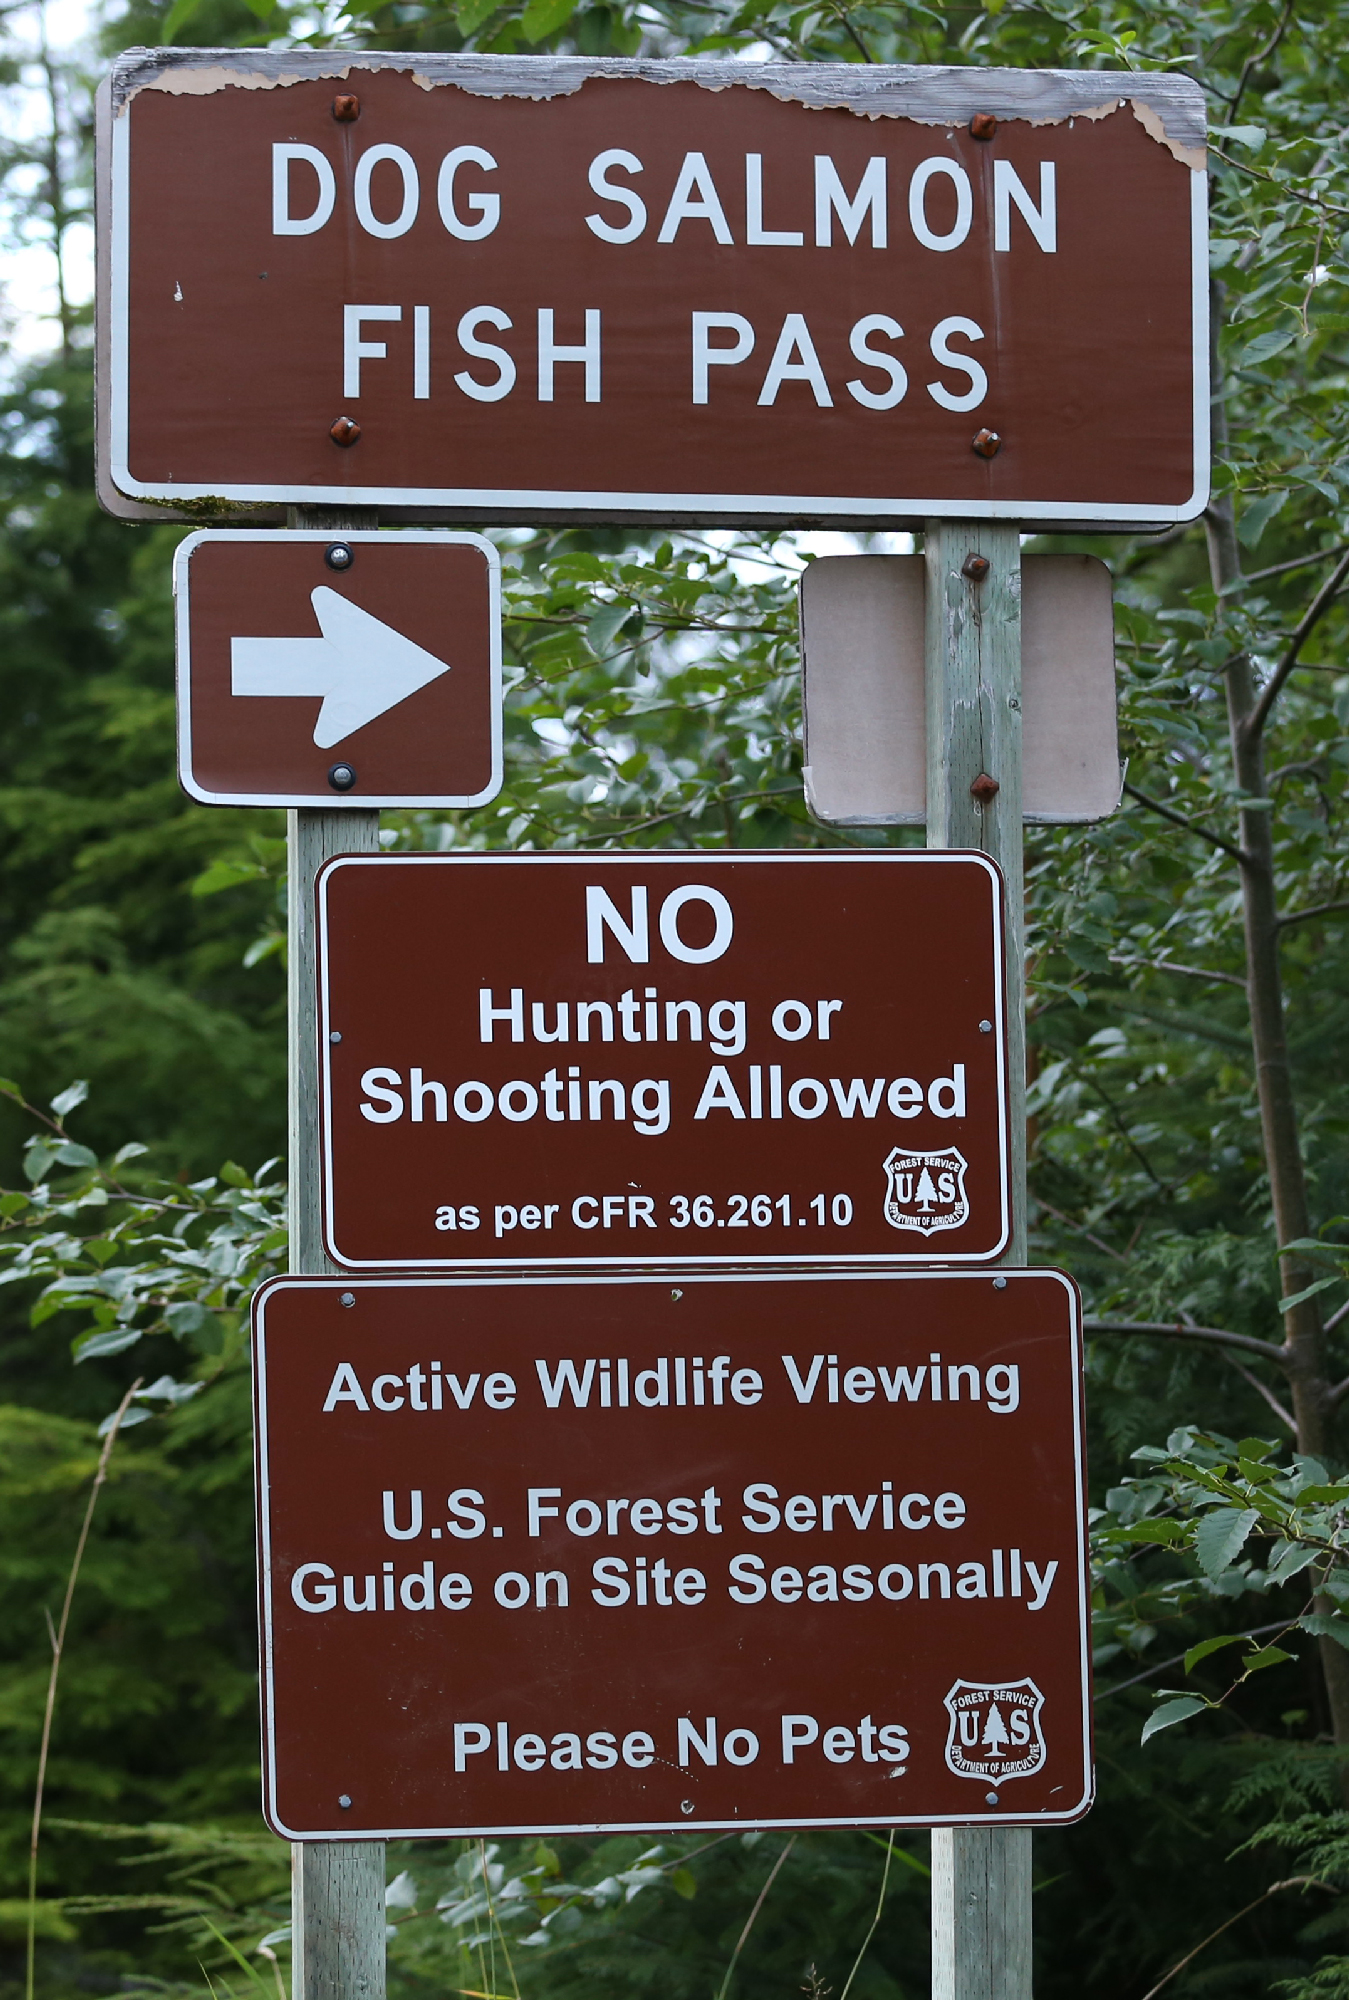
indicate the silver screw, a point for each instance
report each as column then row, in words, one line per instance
column 686, row 1805
column 349, row 1298
column 992, row 1798
column 344, row 1802
column 334, row 1036
column 999, row 1285
column 985, row 1027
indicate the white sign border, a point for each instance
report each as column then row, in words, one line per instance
column 261, row 1447
column 926, row 1255
column 328, row 799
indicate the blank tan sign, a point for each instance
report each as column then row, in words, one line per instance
column 862, row 667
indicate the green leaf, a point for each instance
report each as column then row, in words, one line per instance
column 1221, row 1535
column 73, row 1094
column 186, row 1318
column 1323, row 1627
column 1207, row 1646
column 11, row 1203
column 1266, row 1656
column 1176, row 1710
column 1245, row 135
column 1153, row 1531
column 1321, row 1285
column 542, row 18
column 1323, row 1496
column 228, row 873
column 470, row 14
column 235, row 1175
column 37, row 1158
column 603, row 628
column 1264, row 347
column 1289, row 1562
column 177, row 17
column 129, row 1418
column 1257, row 517
column 114, row 1341
column 70, row 1155
column 683, row 1884
column 166, row 1390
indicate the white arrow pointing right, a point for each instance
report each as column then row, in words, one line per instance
column 361, row 667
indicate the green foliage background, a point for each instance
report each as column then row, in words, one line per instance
column 653, row 699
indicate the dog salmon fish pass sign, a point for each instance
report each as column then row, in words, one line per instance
column 579, row 1555
column 536, row 288
column 668, row 1058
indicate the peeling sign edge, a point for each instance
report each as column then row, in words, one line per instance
column 822, row 87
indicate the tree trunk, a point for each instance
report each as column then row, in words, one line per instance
column 1304, row 1357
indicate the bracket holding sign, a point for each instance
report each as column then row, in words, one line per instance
column 568, row 1555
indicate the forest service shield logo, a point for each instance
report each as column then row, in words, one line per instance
column 995, row 1730
column 925, row 1191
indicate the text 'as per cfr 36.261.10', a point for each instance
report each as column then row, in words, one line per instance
column 677, row 1058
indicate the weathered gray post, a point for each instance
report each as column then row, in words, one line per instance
column 337, row 1898
column 981, row 1876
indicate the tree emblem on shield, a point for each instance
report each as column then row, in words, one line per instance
column 995, row 1730
column 925, row 1191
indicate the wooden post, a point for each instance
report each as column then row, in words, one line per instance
column 337, row 1892
column 981, row 1876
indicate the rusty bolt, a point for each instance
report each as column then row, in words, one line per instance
column 345, row 431
column 984, row 788
column 975, row 568
column 346, row 108
column 987, row 443
column 983, row 125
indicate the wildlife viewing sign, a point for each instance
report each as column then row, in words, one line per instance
column 538, row 288
column 707, row 1060
column 563, row 1554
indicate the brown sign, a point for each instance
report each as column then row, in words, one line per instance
column 701, row 1059
column 583, row 1555
column 542, row 288
column 317, row 668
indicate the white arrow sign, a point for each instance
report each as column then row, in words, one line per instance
column 360, row 666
